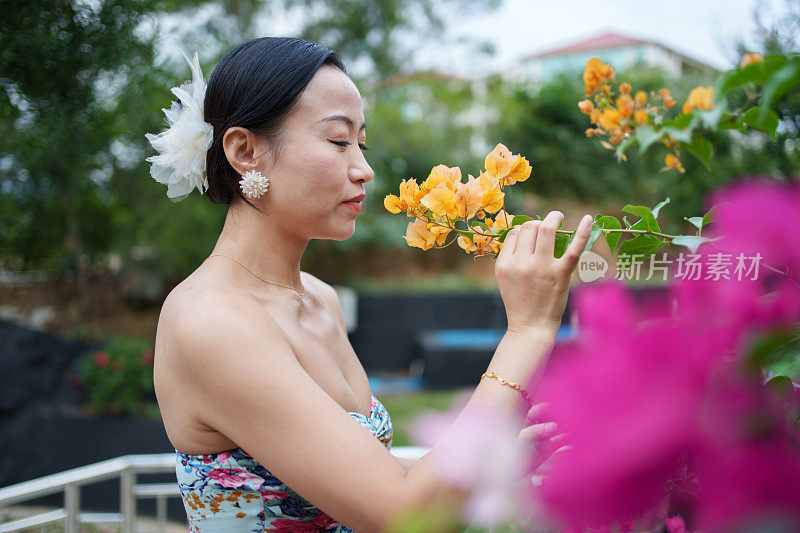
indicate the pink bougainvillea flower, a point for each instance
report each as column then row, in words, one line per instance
column 756, row 215
column 639, row 393
column 751, row 484
column 675, row 524
column 476, row 447
column 627, row 397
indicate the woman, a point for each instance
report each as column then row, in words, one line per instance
column 252, row 353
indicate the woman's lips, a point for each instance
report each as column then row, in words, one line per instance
column 355, row 206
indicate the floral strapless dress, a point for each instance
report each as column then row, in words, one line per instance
column 231, row 492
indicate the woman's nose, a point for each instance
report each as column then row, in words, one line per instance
column 362, row 171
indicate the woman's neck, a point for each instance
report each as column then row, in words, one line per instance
column 261, row 244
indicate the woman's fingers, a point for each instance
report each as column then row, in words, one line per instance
column 546, row 239
column 536, row 432
column 510, row 242
column 575, row 248
column 535, row 412
column 527, row 237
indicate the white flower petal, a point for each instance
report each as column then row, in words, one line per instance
column 181, row 162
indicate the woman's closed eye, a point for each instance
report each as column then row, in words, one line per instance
column 348, row 143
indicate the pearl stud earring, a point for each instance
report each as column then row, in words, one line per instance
column 254, row 184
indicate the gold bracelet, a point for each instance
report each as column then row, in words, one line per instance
column 504, row 381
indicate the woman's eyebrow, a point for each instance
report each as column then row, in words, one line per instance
column 344, row 118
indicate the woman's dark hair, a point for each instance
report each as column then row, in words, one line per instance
column 254, row 86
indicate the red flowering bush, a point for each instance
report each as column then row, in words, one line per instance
column 118, row 377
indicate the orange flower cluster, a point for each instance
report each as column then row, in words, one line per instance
column 618, row 116
column 750, row 59
column 699, row 98
column 444, row 199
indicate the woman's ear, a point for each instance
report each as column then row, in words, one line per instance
column 241, row 147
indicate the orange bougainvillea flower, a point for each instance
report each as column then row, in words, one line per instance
column 492, row 200
column 699, row 98
column 440, row 174
column 665, row 95
column 468, row 198
column 594, row 118
column 750, row 59
column 595, row 73
column 641, row 98
column 586, row 107
column 502, row 220
column 498, row 162
column 672, row 162
column 478, row 244
column 418, row 235
column 520, row 171
column 442, row 200
column 641, row 117
column 625, row 87
column 440, row 232
column 610, row 119
column 392, row 204
column 625, row 104
column 408, row 199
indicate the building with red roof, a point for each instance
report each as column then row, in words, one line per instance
column 621, row 51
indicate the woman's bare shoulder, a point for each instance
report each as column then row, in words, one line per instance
column 198, row 304
column 327, row 294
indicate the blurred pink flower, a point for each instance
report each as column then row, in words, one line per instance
column 676, row 525
column 475, row 447
column 627, row 397
column 751, row 484
column 759, row 214
column 638, row 392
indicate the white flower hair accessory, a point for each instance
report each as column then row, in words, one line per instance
column 181, row 162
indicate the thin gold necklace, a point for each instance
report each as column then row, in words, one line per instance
column 256, row 275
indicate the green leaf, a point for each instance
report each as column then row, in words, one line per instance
column 648, row 220
column 596, row 231
column 479, row 223
column 753, row 118
column 562, row 241
column 624, row 145
column 658, row 207
column 680, row 135
column 692, row 242
column 702, row 149
column 647, row 136
column 778, row 84
column 708, row 218
column 755, row 73
column 681, row 121
column 697, row 222
column 781, row 385
column 643, row 245
column 519, row 219
column 502, row 234
column 609, row 222
column 711, row 118
column 727, row 122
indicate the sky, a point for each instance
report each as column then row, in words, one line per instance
column 703, row 29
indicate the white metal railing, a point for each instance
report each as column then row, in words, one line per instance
column 126, row 468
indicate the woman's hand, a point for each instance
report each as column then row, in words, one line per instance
column 541, row 439
column 534, row 284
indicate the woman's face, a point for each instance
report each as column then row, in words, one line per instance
column 320, row 163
